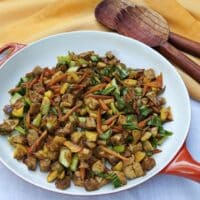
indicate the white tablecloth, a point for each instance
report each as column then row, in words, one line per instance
column 160, row 187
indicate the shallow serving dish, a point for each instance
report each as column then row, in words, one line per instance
column 130, row 52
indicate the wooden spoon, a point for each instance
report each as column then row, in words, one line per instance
column 150, row 28
column 107, row 10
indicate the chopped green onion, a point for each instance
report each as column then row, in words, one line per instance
column 74, row 163
column 108, row 90
column 155, row 121
column 120, row 101
column 161, row 141
column 111, row 176
column 122, row 72
column 95, row 80
column 130, row 126
column 27, row 100
column 106, row 135
column 138, row 91
column 149, row 153
column 63, row 59
column 114, row 83
column 94, row 58
column 20, row 130
column 119, row 148
column 113, row 108
column 16, row 96
column 164, row 132
column 107, row 71
column 73, row 69
column 130, row 118
column 129, row 138
column 154, row 142
column 82, row 62
column 25, row 79
column 54, row 111
column 124, row 91
column 144, row 111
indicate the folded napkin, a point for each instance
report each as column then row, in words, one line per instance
column 26, row 21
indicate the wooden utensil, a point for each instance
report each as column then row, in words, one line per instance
column 150, row 28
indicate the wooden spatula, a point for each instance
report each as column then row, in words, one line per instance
column 150, row 28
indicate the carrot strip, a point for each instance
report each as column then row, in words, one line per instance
column 99, row 128
column 96, row 88
column 111, row 119
column 65, row 117
column 31, row 83
column 107, row 150
column 157, row 83
column 38, row 142
column 82, row 173
column 117, row 129
column 106, row 78
column 85, row 75
column 59, row 113
column 103, row 105
column 57, row 79
column 95, row 96
column 156, row 151
column 145, row 90
column 143, row 123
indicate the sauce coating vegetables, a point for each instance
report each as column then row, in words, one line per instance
column 90, row 120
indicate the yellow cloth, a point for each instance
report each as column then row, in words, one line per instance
column 24, row 21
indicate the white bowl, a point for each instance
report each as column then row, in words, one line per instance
column 131, row 52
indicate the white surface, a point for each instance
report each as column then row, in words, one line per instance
column 159, row 187
column 132, row 53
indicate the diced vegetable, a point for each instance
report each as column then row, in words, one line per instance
column 138, row 91
column 20, row 130
column 73, row 69
column 119, row 148
column 48, row 94
column 18, row 112
column 146, row 136
column 91, row 136
column 106, row 135
column 74, row 162
column 89, row 119
column 65, row 157
column 16, row 96
column 139, row 156
column 45, row 105
column 37, row 120
column 64, row 87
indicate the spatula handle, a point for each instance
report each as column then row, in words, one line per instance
column 178, row 58
column 185, row 44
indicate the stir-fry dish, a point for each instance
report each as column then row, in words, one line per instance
column 90, row 120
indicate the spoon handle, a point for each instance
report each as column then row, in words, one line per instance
column 185, row 44
column 177, row 57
